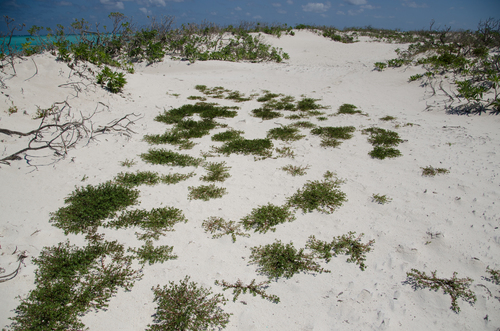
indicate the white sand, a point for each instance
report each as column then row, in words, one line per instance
column 461, row 205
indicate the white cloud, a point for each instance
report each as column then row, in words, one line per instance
column 317, row 7
column 120, row 5
column 145, row 11
column 281, row 11
column 413, row 4
column 258, row 17
column 237, row 8
column 290, row 2
column 158, row 3
column 64, row 3
column 355, row 12
column 277, row 4
column 117, row 4
column 357, row 2
column 340, row 12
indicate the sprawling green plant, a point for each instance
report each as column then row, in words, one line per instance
column 345, row 244
column 217, row 172
column 227, row 135
column 217, row 224
column 279, row 260
column 330, row 135
column 87, row 207
column 187, row 306
column 347, row 108
column 265, row 218
column 70, row 281
column 206, row 192
column 252, row 288
column 383, row 141
column 139, row 178
column 113, row 81
column 150, row 254
column 295, row 170
column 168, row 157
column 285, row 133
column 261, row 147
column 381, row 199
column 430, row 171
column 457, row 288
column 323, row 196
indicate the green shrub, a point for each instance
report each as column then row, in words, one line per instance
column 168, row 157
column 266, row 114
column 345, row 244
column 217, row 172
column 388, row 118
column 266, row 218
column 227, row 135
column 206, row 192
column 304, row 124
column 381, row 152
column 175, row 178
column 150, row 254
column 382, row 137
column 347, row 108
column 139, row 178
column 278, row 260
column 323, row 196
column 113, row 81
column 306, row 104
column 457, row 288
column 295, row 170
column 379, row 66
column 341, row 132
column 285, row 133
column 89, row 206
column 71, row 281
column 252, row 288
column 431, row 171
column 215, row 224
column 260, row 147
column 186, row 306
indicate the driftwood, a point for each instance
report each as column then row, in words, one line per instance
column 13, row 274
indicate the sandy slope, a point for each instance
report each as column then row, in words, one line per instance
column 462, row 205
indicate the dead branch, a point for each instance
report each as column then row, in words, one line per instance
column 36, row 72
column 13, row 274
column 121, row 126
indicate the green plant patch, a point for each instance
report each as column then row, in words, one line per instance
column 381, row 199
column 154, row 222
column 71, row 281
column 323, row 196
column 347, row 108
column 207, row 111
column 237, row 97
column 322, row 118
column 147, row 253
column 196, row 97
column 285, row 103
column 219, row 227
column 494, row 276
column 217, row 172
column 340, row 132
column 87, row 207
column 252, row 288
column 268, row 96
column 265, row 218
column 139, row 178
column 285, row 133
column 279, row 260
column 388, row 118
column 175, row 178
column 128, row 163
column 187, row 306
column 227, row 135
column 330, row 142
column 381, row 152
column 431, row 171
column 113, row 81
column 304, row 125
column 307, row 104
column 295, row 170
column 345, row 244
column 206, row 192
column 266, row 114
column 261, row 147
column 168, row 157
column 286, row 151
column 457, row 288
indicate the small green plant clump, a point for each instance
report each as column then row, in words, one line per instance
column 279, row 260
column 345, row 244
column 495, row 275
column 431, row 171
column 87, row 207
column 71, row 281
column 260, row 147
column 323, row 196
column 295, row 170
column 227, row 135
column 381, row 199
column 139, row 178
column 330, row 135
column 252, row 288
column 383, row 141
column 218, row 224
column 12, row 109
column 265, row 218
column 128, row 163
column 285, row 133
column 113, row 81
column 388, row 118
column 217, row 172
column 457, row 288
column 168, row 157
column 206, row 192
column 150, row 254
column 187, row 306
column 348, row 108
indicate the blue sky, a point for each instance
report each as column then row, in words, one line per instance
column 390, row 14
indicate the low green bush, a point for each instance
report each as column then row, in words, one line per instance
column 139, row 178
column 295, row 170
column 168, row 157
column 206, row 192
column 381, row 152
column 113, row 81
column 227, row 135
column 265, row 218
column 150, row 254
column 285, row 133
column 260, row 147
column 347, row 108
column 217, row 172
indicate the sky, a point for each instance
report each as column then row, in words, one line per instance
column 387, row 14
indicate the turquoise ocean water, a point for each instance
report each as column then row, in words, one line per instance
column 17, row 41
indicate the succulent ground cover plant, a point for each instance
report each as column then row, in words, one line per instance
column 457, row 288
column 260, row 147
column 330, row 135
column 168, row 157
column 323, row 196
column 150, row 254
column 265, row 218
column 187, row 306
column 285, row 133
column 217, row 172
column 383, row 141
column 227, row 135
column 348, row 108
column 206, row 192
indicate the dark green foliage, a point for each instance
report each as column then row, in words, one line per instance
column 285, row 133
column 186, row 306
column 266, row 218
column 206, row 192
column 381, row 199
column 150, row 254
column 457, row 288
column 304, row 124
column 347, row 108
column 89, row 206
column 340, row 132
column 139, row 178
column 268, row 96
column 388, row 118
column 260, row 147
column 168, row 157
column 345, row 244
column 217, row 172
column 295, row 170
column 278, row 260
column 323, row 196
column 381, row 152
column 227, row 135
column 431, row 171
column 113, row 81
column 154, row 222
column 266, row 114
column 308, row 104
column 207, row 111
column 175, row 178
column 70, row 281
column 252, row 288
